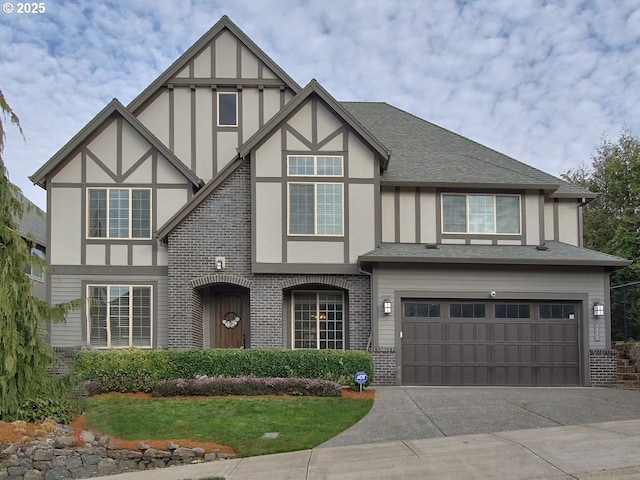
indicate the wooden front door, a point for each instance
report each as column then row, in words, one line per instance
column 231, row 316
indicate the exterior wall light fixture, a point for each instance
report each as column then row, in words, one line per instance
column 386, row 306
column 219, row 263
column 598, row 309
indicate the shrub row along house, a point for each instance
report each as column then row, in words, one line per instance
column 228, row 207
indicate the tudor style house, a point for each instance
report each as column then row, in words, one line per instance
column 227, row 207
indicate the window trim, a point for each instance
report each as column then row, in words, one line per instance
column 226, row 125
column 130, row 224
column 317, row 294
column 41, row 254
column 130, row 287
column 315, row 166
column 315, row 210
column 495, row 214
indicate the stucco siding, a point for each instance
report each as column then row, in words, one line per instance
column 202, row 64
column 156, row 117
column 407, row 199
column 549, row 229
column 362, row 220
column 268, row 221
column 134, row 147
column 531, row 223
column 248, row 64
column 203, row 132
column 315, row 252
column 568, row 222
column 71, row 173
column 226, row 65
column 428, row 220
column 182, row 125
column 269, row 158
column 271, row 102
column 388, row 215
column 102, row 145
column 227, row 145
column 361, row 159
column 250, row 110
column 66, row 234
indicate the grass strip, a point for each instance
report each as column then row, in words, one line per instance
column 239, row 422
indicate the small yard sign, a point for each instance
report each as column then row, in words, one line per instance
column 361, row 379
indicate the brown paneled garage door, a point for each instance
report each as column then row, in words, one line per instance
column 489, row 343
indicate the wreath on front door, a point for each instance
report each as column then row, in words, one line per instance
column 231, row 320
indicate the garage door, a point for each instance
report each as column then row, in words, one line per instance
column 489, row 343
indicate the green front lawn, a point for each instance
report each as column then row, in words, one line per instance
column 239, row 422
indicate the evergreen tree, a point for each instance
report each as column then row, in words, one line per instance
column 612, row 221
column 26, row 389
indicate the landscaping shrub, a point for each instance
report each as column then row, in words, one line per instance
column 134, row 370
column 247, row 386
column 53, row 400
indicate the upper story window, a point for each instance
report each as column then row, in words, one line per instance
column 314, row 166
column 119, row 213
column 35, row 271
column 227, row 109
column 480, row 213
column 119, row 315
column 315, row 208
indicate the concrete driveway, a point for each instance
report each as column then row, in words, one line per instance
column 409, row 413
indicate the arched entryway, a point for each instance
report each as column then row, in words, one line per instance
column 225, row 311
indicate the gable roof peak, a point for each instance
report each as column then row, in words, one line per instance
column 222, row 24
column 113, row 107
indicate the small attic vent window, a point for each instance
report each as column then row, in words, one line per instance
column 542, row 247
column 431, row 246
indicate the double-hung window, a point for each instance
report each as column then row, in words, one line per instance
column 316, row 204
column 119, row 213
column 480, row 213
column 119, row 315
column 318, row 320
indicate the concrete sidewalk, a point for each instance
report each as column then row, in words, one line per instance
column 609, row 450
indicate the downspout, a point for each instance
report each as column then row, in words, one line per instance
column 373, row 321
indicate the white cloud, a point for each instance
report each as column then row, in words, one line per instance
column 541, row 82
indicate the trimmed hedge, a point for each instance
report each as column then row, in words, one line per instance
column 135, row 370
column 209, row 386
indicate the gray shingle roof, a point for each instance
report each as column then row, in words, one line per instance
column 33, row 223
column 424, row 153
column 557, row 253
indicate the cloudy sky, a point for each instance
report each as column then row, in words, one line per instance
column 539, row 80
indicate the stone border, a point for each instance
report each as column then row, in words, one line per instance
column 60, row 455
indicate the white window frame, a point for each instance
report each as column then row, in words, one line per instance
column 130, row 224
column 235, row 94
column 36, row 252
column 130, row 287
column 315, row 210
column 315, row 166
column 495, row 214
column 317, row 293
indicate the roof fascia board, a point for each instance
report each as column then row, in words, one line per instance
column 314, row 87
column 112, row 107
column 199, row 197
column 184, row 59
column 584, row 194
column 463, row 185
column 493, row 261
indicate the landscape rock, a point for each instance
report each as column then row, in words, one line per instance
column 59, row 456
